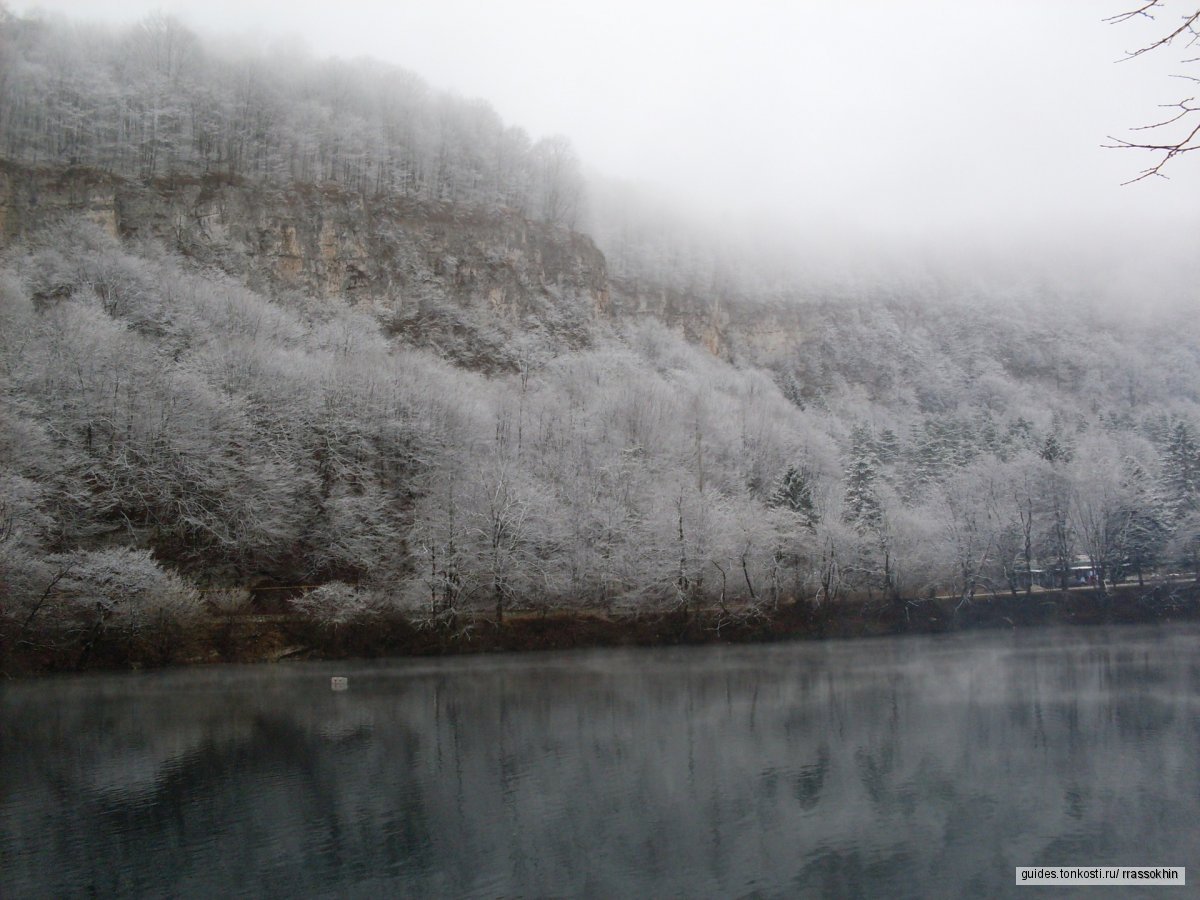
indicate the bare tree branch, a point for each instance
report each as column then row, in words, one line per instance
column 1169, row 148
column 1189, row 26
column 1143, row 10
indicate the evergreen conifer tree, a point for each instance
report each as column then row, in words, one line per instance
column 1181, row 472
column 794, row 492
column 862, row 509
column 1146, row 530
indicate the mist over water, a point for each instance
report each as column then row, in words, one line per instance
column 905, row 767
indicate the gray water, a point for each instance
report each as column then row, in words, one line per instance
column 891, row 767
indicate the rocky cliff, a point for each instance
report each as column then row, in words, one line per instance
column 462, row 280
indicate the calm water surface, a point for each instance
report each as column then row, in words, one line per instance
column 896, row 767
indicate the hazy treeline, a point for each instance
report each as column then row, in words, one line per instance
column 156, row 101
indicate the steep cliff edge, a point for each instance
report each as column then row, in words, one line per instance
column 463, row 281
column 436, row 272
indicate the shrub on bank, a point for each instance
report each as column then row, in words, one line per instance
column 345, row 619
column 114, row 605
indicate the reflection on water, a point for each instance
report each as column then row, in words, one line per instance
column 897, row 767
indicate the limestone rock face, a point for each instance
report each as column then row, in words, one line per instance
column 731, row 328
column 463, row 281
column 31, row 197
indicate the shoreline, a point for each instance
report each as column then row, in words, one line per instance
column 250, row 638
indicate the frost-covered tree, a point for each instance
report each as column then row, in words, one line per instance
column 1057, row 539
column 559, row 181
column 967, row 510
column 335, row 604
column 1180, row 464
column 118, row 595
column 1184, row 543
column 1147, row 531
column 1020, row 509
column 794, row 492
column 1101, row 509
column 862, row 506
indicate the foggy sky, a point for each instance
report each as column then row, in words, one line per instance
column 923, row 121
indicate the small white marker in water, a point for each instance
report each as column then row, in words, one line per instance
column 339, row 682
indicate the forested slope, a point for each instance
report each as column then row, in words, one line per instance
column 317, row 325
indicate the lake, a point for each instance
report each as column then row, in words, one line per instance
column 908, row 766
